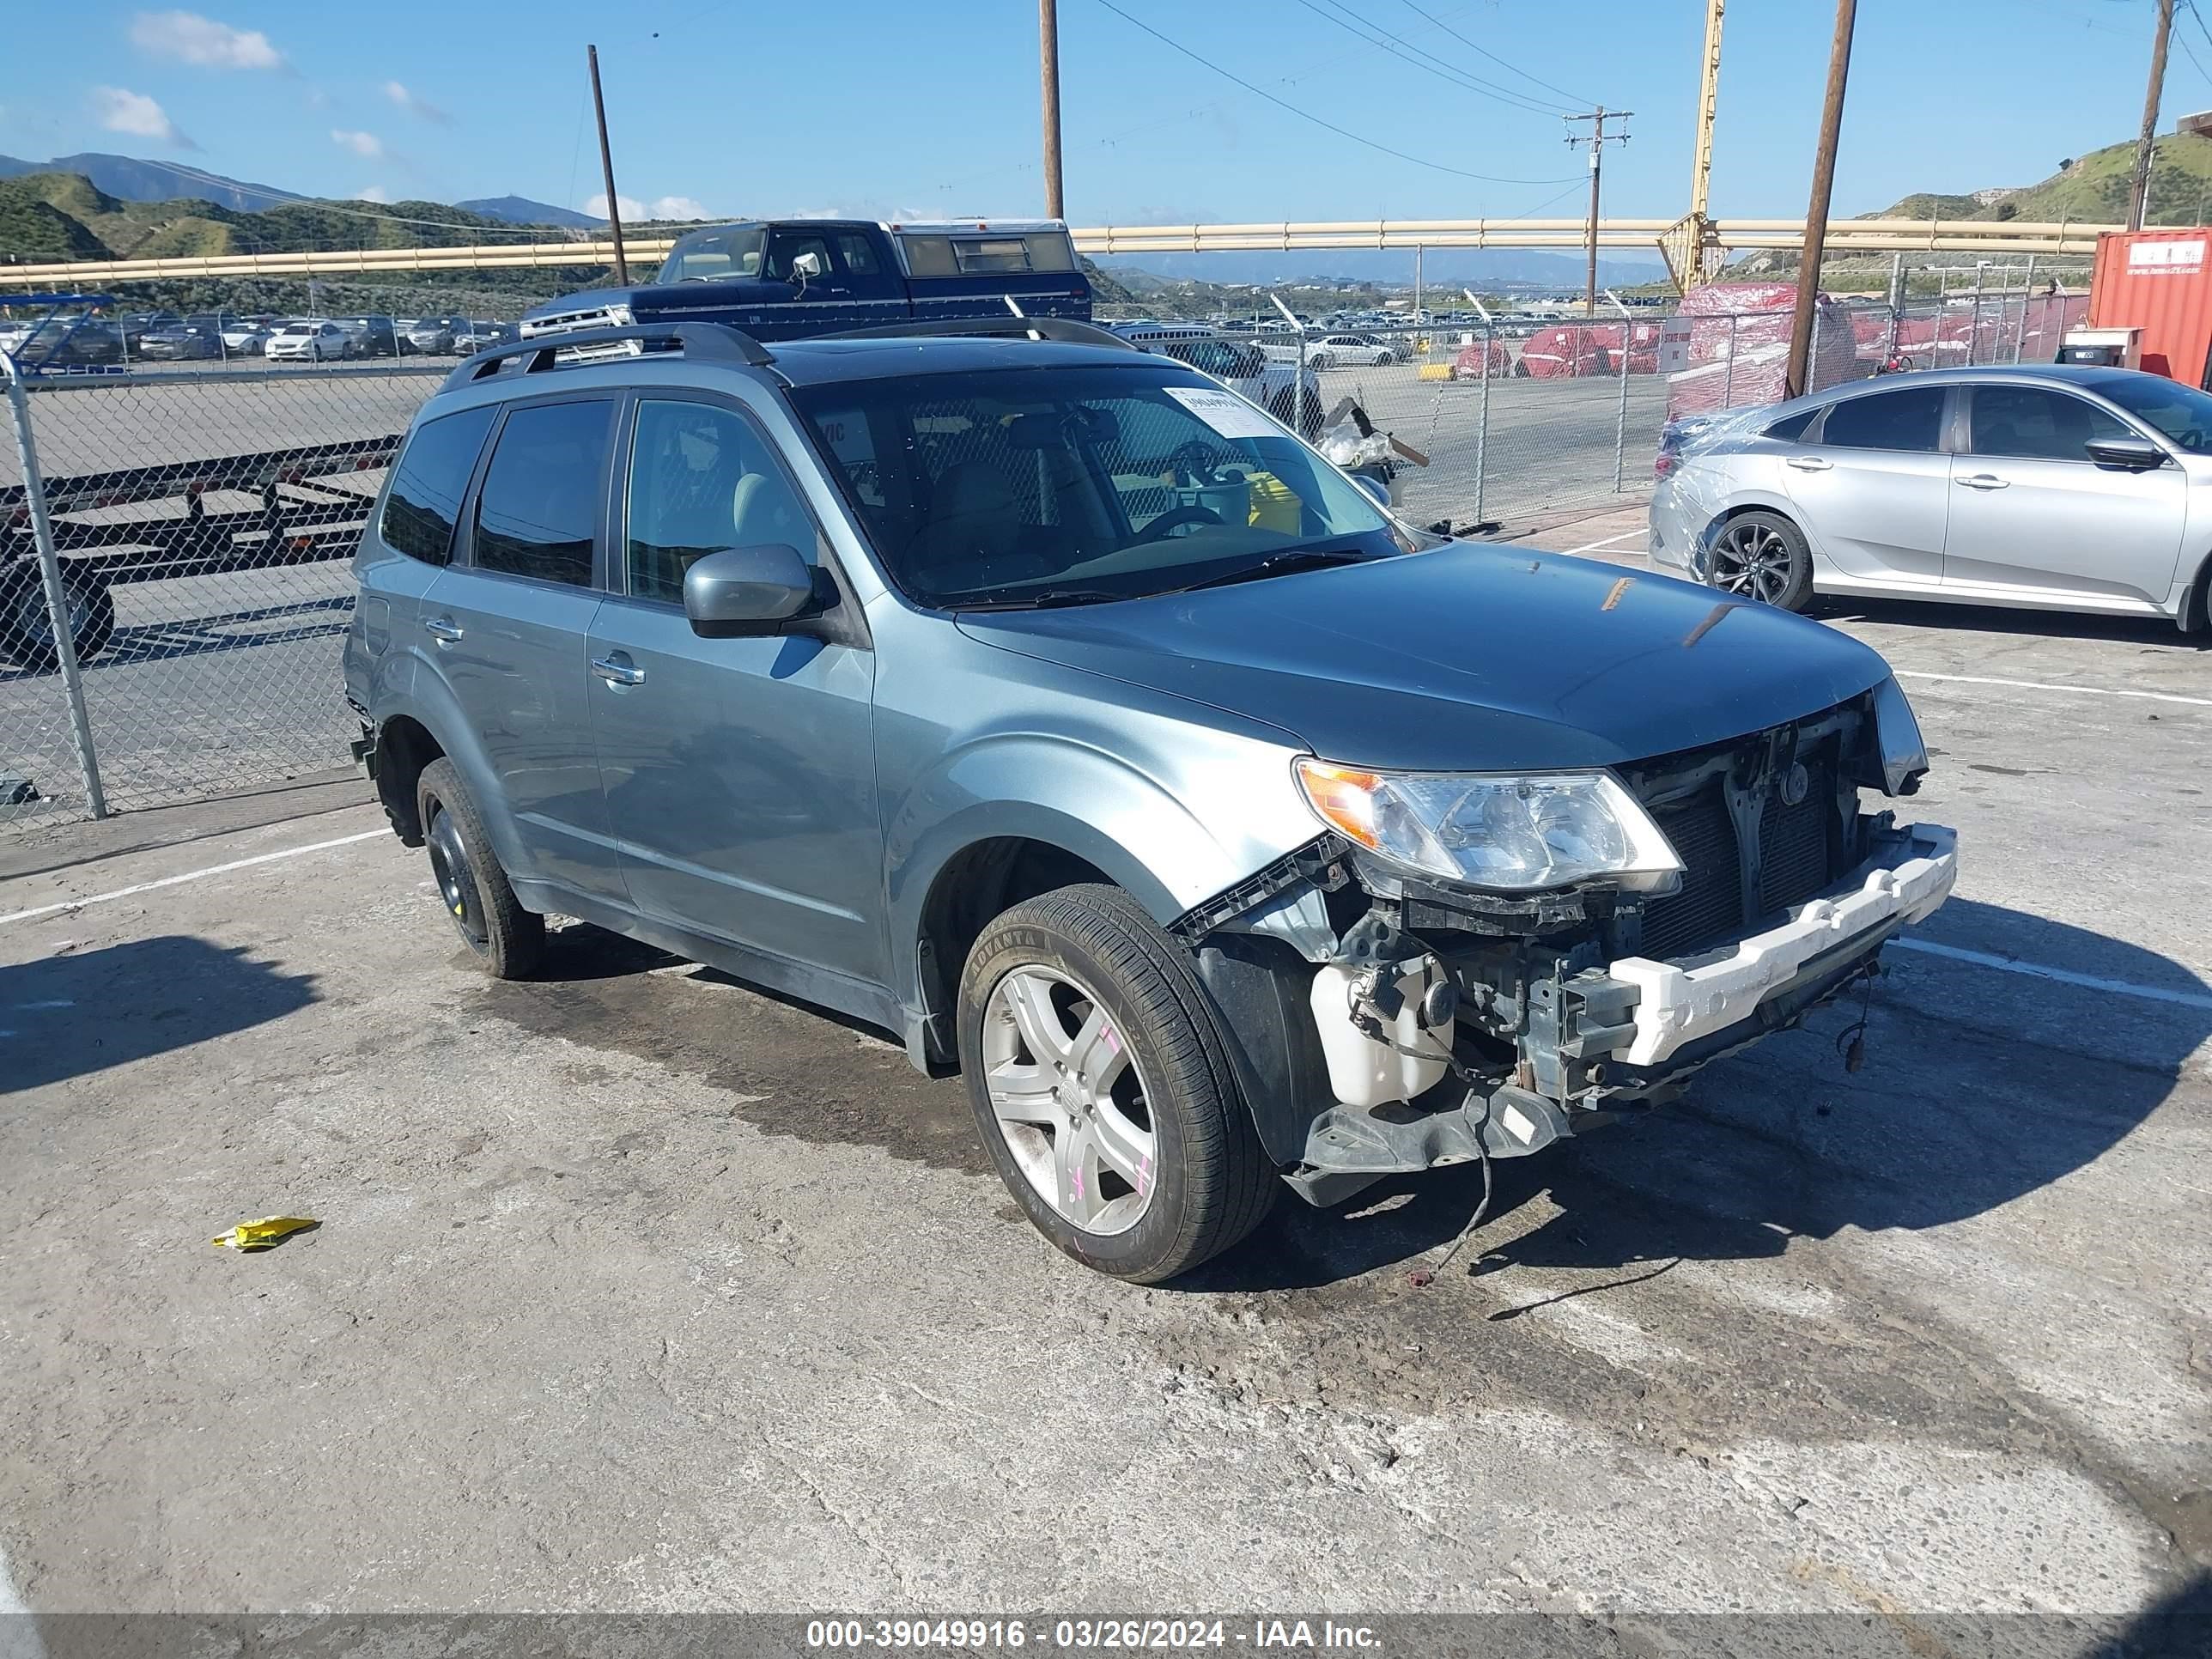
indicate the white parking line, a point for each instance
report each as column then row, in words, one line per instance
column 19, row 1631
column 2063, row 975
column 1592, row 547
column 2043, row 685
column 189, row 875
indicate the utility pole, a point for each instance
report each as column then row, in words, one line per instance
column 1598, row 138
column 607, row 172
column 2139, row 186
column 1816, row 211
column 1049, row 70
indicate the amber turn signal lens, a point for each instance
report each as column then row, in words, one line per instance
column 1344, row 796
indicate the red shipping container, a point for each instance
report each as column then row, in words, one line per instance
column 2159, row 282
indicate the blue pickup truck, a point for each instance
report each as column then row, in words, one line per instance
column 787, row 279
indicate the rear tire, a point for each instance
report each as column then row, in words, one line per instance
column 1762, row 556
column 478, row 898
column 1100, row 1088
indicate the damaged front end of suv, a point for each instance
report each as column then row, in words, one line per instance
column 1473, row 965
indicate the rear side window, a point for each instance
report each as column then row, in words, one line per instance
column 425, row 502
column 858, row 252
column 538, row 513
column 1790, row 427
column 1908, row 419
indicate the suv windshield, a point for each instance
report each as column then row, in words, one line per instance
column 1063, row 485
column 725, row 253
column 2182, row 413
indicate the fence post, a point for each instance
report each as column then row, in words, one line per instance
column 1482, row 427
column 50, row 577
column 1727, row 387
column 1620, row 420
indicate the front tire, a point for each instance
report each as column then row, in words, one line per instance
column 1101, row 1089
column 1762, row 556
column 479, row 900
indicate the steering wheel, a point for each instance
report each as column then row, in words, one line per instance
column 1176, row 518
column 2196, row 441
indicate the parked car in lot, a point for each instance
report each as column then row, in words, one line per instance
column 369, row 337
column 481, row 336
column 1348, row 351
column 1218, row 851
column 247, row 336
column 308, row 341
column 2045, row 487
column 194, row 338
column 434, row 336
column 62, row 341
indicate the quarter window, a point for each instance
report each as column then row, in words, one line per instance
column 701, row 479
column 425, row 502
column 1910, row 418
column 2031, row 422
column 858, row 254
column 537, row 514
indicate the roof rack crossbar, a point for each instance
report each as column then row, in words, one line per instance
column 1066, row 330
column 704, row 342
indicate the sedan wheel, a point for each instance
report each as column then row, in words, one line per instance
column 1069, row 1100
column 1762, row 556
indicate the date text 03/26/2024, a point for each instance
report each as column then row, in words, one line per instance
column 1089, row 1635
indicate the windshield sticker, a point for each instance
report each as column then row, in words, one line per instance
column 1225, row 411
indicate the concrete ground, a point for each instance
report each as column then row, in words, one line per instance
column 635, row 1289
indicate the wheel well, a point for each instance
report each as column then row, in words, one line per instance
column 403, row 747
column 2197, row 600
column 977, row 884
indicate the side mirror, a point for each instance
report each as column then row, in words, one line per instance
column 747, row 590
column 1374, row 486
column 806, row 268
column 2127, row 454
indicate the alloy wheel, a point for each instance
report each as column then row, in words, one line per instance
column 1752, row 559
column 1069, row 1099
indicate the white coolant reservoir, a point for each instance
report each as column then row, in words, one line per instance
column 1362, row 1071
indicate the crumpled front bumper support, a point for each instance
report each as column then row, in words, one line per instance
column 1911, row 873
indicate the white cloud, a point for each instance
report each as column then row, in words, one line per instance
column 134, row 113
column 635, row 211
column 192, row 38
column 372, row 193
column 414, row 105
column 367, row 145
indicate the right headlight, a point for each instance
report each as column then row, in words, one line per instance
column 1511, row 833
column 1903, row 750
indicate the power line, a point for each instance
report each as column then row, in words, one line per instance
column 1444, row 72
column 1341, row 132
column 1494, row 58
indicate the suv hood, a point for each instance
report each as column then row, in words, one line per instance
column 1469, row 658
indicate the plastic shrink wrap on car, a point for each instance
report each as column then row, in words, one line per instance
column 1729, row 346
column 1565, row 350
column 1696, row 495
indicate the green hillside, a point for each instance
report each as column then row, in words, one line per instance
column 2092, row 190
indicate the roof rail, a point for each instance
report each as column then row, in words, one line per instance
column 705, row 342
column 1066, row 330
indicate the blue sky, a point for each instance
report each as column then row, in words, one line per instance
column 896, row 107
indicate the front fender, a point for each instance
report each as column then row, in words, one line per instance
column 1090, row 803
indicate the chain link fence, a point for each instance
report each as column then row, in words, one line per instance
column 195, row 514
column 196, row 529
